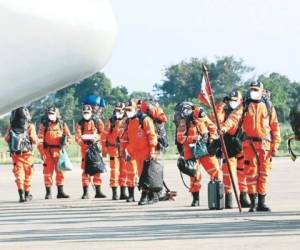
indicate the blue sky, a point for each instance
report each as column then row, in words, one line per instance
column 154, row 34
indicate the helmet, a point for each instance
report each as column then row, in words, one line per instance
column 130, row 104
column 119, row 106
column 256, row 85
column 52, row 110
column 86, row 108
column 235, row 95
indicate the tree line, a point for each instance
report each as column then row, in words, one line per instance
column 181, row 82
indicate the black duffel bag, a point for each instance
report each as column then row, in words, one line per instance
column 188, row 167
column 152, row 177
column 93, row 161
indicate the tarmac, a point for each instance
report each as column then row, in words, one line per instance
column 106, row 224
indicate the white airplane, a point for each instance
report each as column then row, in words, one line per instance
column 47, row 44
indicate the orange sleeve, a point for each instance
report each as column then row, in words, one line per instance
column 124, row 137
column 41, row 133
column 275, row 130
column 149, row 128
column 233, row 119
column 105, row 133
column 67, row 133
column 220, row 112
column 181, row 136
column 78, row 134
column 211, row 127
column 32, row 134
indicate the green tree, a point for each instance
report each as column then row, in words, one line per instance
column 182, row 81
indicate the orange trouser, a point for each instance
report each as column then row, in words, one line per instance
column 23, row 170
column 135, row 166
column 132, row 173
column 85, row 178
column 51, row 165
column 211, row 166
column 257, row 174
column 118, row 172
column 237, row 163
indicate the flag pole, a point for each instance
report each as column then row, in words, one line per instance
column 223, row 145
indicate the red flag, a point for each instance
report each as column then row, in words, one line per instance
column 204, row 95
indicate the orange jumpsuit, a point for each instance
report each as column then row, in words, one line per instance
column 88, row 129
column 262, row 136
column 187, row 136
column 139, row 142
column 111, row 139
column 23, row 163
column 236, row 162
column 49, row 147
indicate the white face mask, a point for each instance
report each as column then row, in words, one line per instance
column 119, row 115
column 52, row 117
column 130, row 114
column 87, row 116
column 233, row 104
column 255, row 95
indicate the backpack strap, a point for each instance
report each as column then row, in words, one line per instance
column 142, row 117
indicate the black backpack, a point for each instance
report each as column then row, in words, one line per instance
column 93, row 161
column 295, row 120
column 19, row 142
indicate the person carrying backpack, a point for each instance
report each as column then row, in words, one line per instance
column 53, row 135
column 233, row 143
column 138, row 143
column 20, row 137
column 156, row 113
column 194, row 126
column 111, row 141
column 261, row 139
column 88, row 132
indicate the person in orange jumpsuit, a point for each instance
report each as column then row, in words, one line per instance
column 261, row 139
column 89, row 131
column 53, row 134
column 236, row 156
column 194, row 125
column 21, row 129
column 152, row 109
column 138, row 144
column 111, row 139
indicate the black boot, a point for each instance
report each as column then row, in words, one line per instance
column 195, row 202
column 228, row 201
column 85, row 193
column 60, row 193
column 261, row 206
column 144, row 199
column 123, row 195
column 21, row 195
column 99, row 193
column 131, row 194
column 28, row 196
column 253, row 202
column 48, row 193
column 114, row 193
column 243, row 200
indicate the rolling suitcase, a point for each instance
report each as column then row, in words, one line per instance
column 216, row 197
